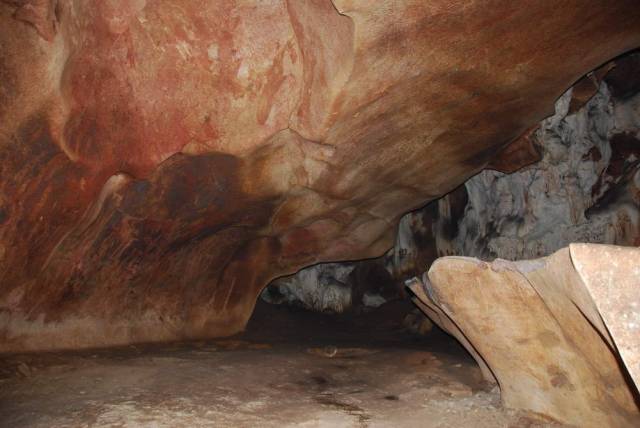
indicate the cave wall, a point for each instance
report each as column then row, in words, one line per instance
column 160, row 162
column 586, row 187
column 574, row 177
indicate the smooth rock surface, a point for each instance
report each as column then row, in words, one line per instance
column 539, row 329
column 612, row 277
column 161, row 162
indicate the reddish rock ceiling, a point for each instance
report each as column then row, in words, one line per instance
column 160, row 162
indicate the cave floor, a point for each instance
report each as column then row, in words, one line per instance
column 289, row 369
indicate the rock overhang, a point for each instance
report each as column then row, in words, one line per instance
column 162, row 162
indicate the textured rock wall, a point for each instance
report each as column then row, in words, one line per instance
column 340, row 287
column 323, row 288
column 160, row 162
column 337, row 287
column 586, row 188
column 573, row 178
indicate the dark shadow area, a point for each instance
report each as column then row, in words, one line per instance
column 384, row 326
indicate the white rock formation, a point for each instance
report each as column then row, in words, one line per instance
column 323, row 288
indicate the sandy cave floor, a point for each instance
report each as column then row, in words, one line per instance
column 290, row 369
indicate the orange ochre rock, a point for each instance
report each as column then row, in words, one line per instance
column 161, row 162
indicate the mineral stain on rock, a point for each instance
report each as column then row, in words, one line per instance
column 125, row 88
column 165, row 166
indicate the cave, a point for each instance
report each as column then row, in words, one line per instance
column 319, row 213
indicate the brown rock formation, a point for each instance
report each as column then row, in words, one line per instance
column 160, row 162
column 548, row 329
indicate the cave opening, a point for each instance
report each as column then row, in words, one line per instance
column 319, row 213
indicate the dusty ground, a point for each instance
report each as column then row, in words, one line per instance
column 306, row 370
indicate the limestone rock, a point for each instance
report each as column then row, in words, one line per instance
column 612, row 277
column 573, row 177
column 161, row 162
column 584, row 189
column 544, row 333
column 322, row 288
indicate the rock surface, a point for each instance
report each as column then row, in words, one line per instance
column 612, row 277
column 586, row 187
column 323, row 288
column 161, row 162
column 542, row 328
column 575, row 177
